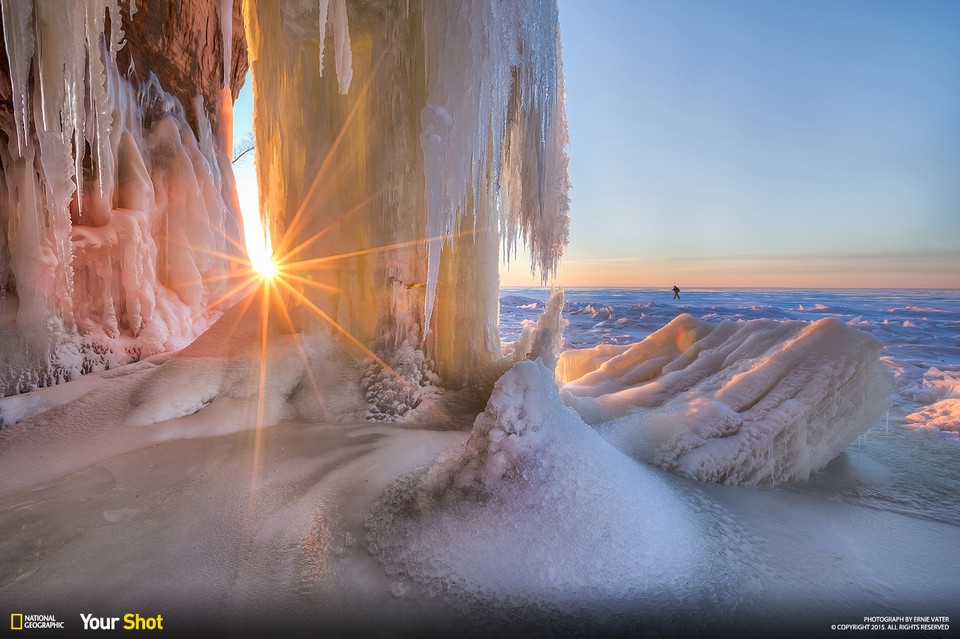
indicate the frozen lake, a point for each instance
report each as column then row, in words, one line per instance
column 241, row 531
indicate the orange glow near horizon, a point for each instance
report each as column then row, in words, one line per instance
column 808, row 271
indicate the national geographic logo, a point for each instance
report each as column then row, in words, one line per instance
column 20, row 621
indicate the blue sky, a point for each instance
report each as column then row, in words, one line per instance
column 759, row 143
column 763, row 143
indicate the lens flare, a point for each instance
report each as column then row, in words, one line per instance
column 258, row 244
column 263, row 264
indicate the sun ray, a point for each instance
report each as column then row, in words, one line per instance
column 327, row 161
column 285, row 314
column 316, row 309
column 236, row 289
column 309, row 282
column 286, row 256
column 246, row 303
column 224, row 234
column 215, row 278
column 264, row 338
column 378, row 249
column 236, row 244
column 237, row 259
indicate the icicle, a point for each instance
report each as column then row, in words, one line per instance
column 19, row 39
column 344, row 57
column 436, row 125
column 495, row 70
column 335, row 14
column 324, row 7
column 225, row 99
column 99, row 100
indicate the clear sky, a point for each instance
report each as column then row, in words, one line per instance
column 761, row 143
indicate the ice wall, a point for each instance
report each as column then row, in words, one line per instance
column 114, row 209
column 429, row 129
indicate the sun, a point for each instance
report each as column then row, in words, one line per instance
column 263, row 264
column 257, row 238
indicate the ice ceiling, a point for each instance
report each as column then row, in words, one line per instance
column 401, row 147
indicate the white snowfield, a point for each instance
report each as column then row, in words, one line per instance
column 750, row 402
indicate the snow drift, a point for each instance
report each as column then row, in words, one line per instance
column 740, row 402
column 535, row 509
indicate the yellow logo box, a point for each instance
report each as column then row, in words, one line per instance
column 16, row 621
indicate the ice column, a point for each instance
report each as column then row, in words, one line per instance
column 443, row 138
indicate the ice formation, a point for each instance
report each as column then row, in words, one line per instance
column 117, row 215
column 535, row 510
column 761, row 401
column 941, row 389
column 255, row 377
column 440, row 139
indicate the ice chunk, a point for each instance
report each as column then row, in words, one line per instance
column 740, row 402
column 943, row 415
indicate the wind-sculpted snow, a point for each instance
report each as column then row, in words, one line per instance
column 306, row 376
column 535, row 508
column 751, row 402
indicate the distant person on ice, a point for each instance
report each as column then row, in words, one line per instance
column 676, row 292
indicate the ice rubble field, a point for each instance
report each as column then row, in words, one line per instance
column 919, row 330
column 123, row 495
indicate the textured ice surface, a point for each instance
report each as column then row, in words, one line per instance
column 535, row 509
column 530, row 523
column 111, row 254
column 737, row 402
column 918, row 330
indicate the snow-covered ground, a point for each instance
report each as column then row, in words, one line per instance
column 530, row 522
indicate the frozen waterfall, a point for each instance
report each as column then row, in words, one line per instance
column 434, row 141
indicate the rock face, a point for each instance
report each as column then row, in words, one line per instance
column 180, row 42
column 118, row 212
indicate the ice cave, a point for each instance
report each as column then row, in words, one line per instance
column 338, row 439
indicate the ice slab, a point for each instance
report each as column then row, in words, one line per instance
column 753, row 402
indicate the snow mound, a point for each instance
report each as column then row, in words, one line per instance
column 761, row 401
column 534, row 509
column 255, row 373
